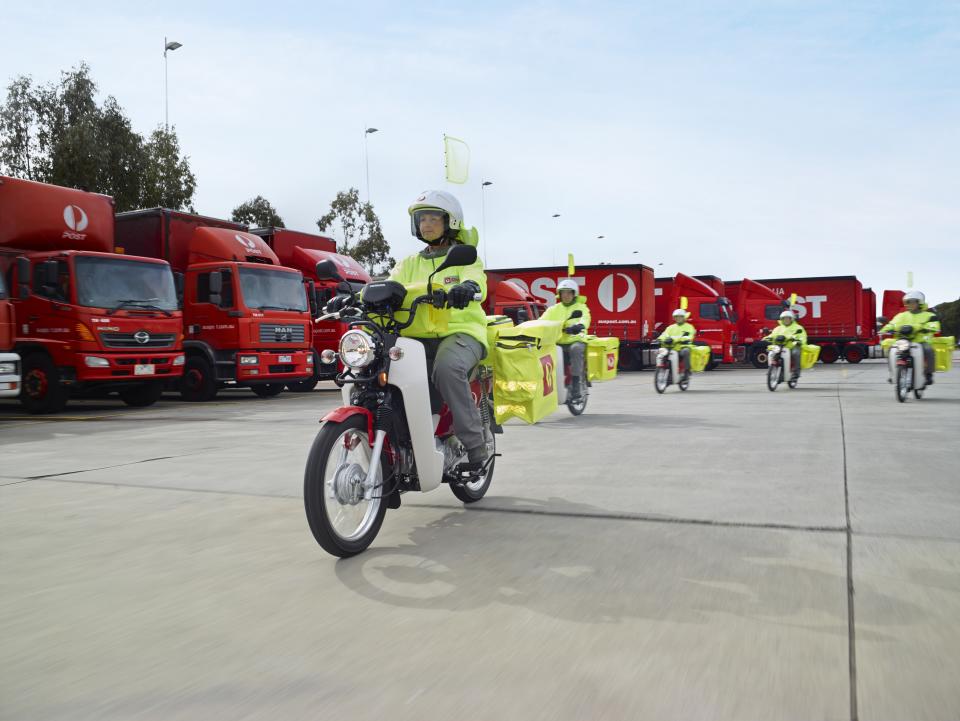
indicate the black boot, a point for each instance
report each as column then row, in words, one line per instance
column 575, row 388
column 929, row 379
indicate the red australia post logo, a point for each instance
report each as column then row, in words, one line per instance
column 611, row 362
column 451, row 279
column 548, row 374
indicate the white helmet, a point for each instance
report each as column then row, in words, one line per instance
column 568, row 284
column 436, row 200
column 914, row 295
column 788, row 314
column 680, row 312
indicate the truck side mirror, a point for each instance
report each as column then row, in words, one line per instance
column 327, row 270
column 312, row 298
column 23, row 277
column 522, row 316
column 216, row 287
column 178, row 285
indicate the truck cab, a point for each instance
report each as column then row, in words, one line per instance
column 9, row 361
column 710, row 313
column 88, row 321
column 757, row 311
column 505, row 297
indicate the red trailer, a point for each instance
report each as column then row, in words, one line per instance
column 303, row 251
column 247, row 318
column 89, row 321
column 830, row 308
column 892, row 304
column 9, row 361
column 620, row 298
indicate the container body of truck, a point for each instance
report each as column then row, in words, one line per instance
column 620, row 298
column 302, row 251
column 88, row 321
column 246, row 318
column 9, row 361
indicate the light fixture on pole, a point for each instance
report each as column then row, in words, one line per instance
column 554, row 257
column 483, row 217
column 168, row 46
column 366, row 157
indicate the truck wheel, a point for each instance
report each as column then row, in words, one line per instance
column 142, row 395
column 199, row 382
column 829, row 354
column 42, row 391
column 854, row 353
column 630, row 360
column 758, row 357
column 268, row 390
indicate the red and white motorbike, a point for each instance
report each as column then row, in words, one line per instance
column 385, row 440
column 907, row 365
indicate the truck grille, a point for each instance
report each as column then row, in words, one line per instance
column 130, row 340
column 271, row 333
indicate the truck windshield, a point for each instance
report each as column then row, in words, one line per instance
column 272, row 289
column 115, row 283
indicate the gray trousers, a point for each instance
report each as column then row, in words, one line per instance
column 929, row 358
column 795, row 360
column 450, row 361
column 574, row 353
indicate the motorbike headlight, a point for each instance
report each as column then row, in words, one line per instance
column 902, row 344
column 661, row 353
column 356, row 349
column 773, row 348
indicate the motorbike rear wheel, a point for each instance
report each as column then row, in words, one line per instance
column 774, row 376
column 661, row 379
column 341, row 520
column 902, row 386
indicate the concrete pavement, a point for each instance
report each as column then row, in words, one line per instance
column 645, row 560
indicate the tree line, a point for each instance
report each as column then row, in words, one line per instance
column 58, row 133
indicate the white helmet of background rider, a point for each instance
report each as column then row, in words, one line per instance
column 568, row 284
column 679, row 313
column 914, row 295
column 437, row 200
column 788, row 314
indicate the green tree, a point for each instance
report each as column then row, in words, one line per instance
column 258, row 213
column 57, row 133
column 949, row 318
column 358, row 227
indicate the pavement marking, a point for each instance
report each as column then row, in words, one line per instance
column 117, row 465
column 851, row 619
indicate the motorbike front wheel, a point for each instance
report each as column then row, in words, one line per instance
column 661, row 379
column 578, row 406
column 473, row 492
column 341, row 520
column 774, row 373
column 903, row 382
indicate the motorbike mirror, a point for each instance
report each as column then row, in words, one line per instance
column 458, row 255
column 577, row 314
column 23, row 277
column 327, row 270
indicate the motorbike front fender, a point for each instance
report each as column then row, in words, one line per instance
column 339, row 415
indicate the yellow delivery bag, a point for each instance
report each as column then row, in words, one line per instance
column 699, row 358
column 943, row 352
column 809, row 355
column 603, row 354
column 525, row 372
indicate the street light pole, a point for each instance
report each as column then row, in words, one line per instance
column 554, row 249
column 366, row 157
column 483, row 218
column 170, row 45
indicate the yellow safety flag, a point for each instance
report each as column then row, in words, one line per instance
column 456, row 159
column 571, row 270
column 909, row 279
column 683, row 302
column 793, row 299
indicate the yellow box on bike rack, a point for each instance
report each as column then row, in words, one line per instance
column 496, row 324
column 430, row 322
column 524, row 371
column 699, row 358
column 809, row 355
column 943, row 352
column 603, row 355
column 886, row 344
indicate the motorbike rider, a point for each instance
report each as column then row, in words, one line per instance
column 920, row 323
column 573, row 339
column 436, row 218
column 684, row 334
column 792, row 331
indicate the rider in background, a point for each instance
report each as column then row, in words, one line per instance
column 684, row 333
column 573, row 340
column 920, row 323
column 792, row 331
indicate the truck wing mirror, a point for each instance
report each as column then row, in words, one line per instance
column 216, row 287
column 178, row 286
column 312, row 298
column 327, row 270
column 23, row 277
column 522, row 316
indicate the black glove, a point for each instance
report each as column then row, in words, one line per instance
column 338, row 303
column 906, row 330
column 460, row 295
column 574, row 329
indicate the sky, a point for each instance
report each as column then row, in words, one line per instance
column 746, row 139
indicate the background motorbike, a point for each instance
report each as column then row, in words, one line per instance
column 669, row 366
column 907, row 366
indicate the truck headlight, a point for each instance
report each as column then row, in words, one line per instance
column 179, row 360
column 92, row 361
column 249, row 360
column 8, row 369
column 356, row 349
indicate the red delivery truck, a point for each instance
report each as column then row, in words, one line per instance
column 511, row 299
column 88, row 321
column 710, row 312
column 831, row 310
column 246, row 318
column 620, row 298
column 892, row 304
column 303, row 251
column 9, row 361
column 752, row 304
